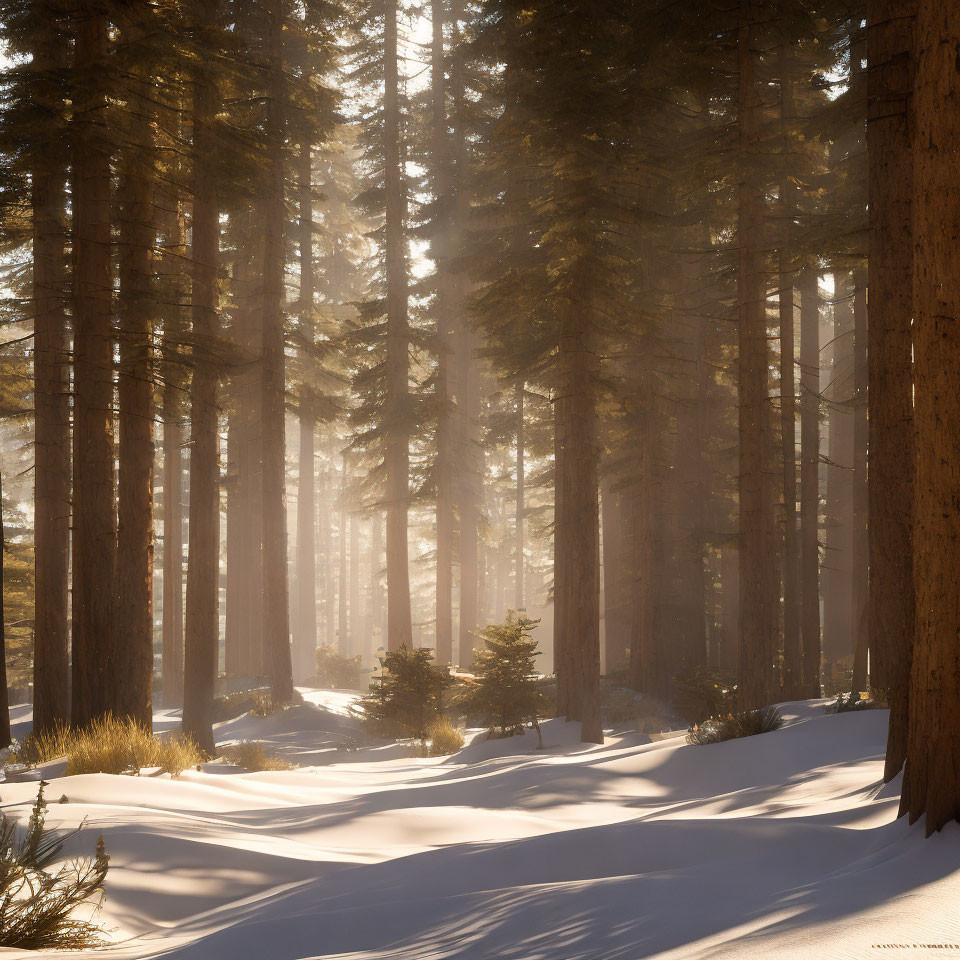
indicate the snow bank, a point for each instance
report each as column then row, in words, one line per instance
column 780, row 846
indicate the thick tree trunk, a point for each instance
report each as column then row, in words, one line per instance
column 344, row 643
column 859, row 555
column 792, row 652
column 201, row 644
column 577, row 522
column 94, row 521
column 810, row 481
column 440, row 249
column 931, row 779
column 171, row 265
column 305, row 637
column 611, row 519
column 276, row 607
column 397, row 428
column 518, row 596
column 838, row 617
column 51, row 666
column 133, row 695
column 890, row 25
column 4, row 692
column 755, row 602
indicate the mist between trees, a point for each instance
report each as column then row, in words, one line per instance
column 358, row 324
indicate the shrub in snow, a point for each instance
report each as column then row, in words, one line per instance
column 38, row 901
column 340, row 673
column 743, row 723
column 505, row 693
column 851, row 702
column 251, row 755
column 703, row 693
column 407, row 696
column 110, row 745
column 444, row 738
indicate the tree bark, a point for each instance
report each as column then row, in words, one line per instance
column 755, row 602
column 890, row 25
column 860, row 556
column 344, row 639
column 51, row 666
column 306, row 621
column 94, row 521
column 518, row 597
column 810, row 481
column 445, row 358
column 931, row 779
column 133, row 694
column 4, row 692
column 397, row 427
column 276, row 607
column 201, row 645
column 792, row 652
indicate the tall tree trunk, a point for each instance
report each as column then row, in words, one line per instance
column 343, row 623
column 931, row 779
column 4, row 692
column 171, row 267
column 440, row 245
column 890, row 25
column 810, row 481
column 838, row 619
column 201, row 644
column 276, row 609
column 577, row 522
column 356, row 623
column 94, row 521
column 133, row 696
column 376, row 570
column 859, row 553
column 611, row 519
column 792, row 652
column 518, row 599
column 51, row 666
column 397, row 453
column 755, row 602
column 306, row 621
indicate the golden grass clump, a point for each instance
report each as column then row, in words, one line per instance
column 253, row 757
column 110, row 745
column 444, row 738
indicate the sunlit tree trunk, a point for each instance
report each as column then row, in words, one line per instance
column 890, row 25
column 859, row 553
column 132, row 696
column 4, row 692
column 276, row 606
column 94, row 519
column 755, row 602
column 51, row 671
column 201, row 641
column 518, row 597
column 809, row 481
column 931, row 779
column 306, row 621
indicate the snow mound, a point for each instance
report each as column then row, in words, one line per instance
column 783, row 846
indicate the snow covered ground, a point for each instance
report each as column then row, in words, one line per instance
column 784, row 845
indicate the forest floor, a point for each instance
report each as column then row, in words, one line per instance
column 784, row 845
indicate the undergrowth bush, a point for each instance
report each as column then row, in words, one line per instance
column 253, row 757
column 743, row 723
column 109, row 745
column 338, row 672
column 853, row 702
column 703, row 693
column 444, row 738
column 37, row 900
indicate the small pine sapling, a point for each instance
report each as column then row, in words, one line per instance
column 407, row 697
column 505, row 693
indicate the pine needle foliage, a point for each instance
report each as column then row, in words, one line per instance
column 505, row 694
column 407, row 697
column 38, row 900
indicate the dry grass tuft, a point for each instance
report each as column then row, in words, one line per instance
column 110, row 745
column 253, row 757
column 444, row 738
